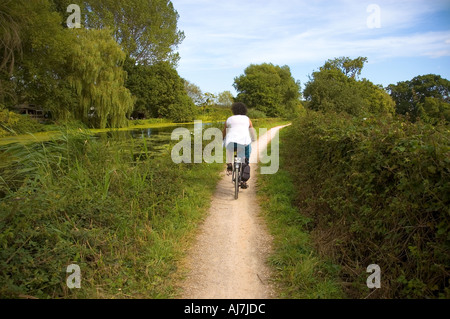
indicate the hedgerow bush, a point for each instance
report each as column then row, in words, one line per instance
column 12, row 123
column 378, row 191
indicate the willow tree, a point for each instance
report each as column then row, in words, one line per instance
column 10, row 42
column 96, row 74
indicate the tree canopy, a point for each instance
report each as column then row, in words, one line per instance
column 424, row 96
column 160, row 92
column 350, row 67
column 78, row 73
column 269, row 88
column 335, row 88
column 96, row 74
column 146, row 29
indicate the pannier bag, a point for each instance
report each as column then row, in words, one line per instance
column 245, row 172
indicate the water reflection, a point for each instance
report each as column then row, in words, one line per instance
column 148, row 142
column 158, row 132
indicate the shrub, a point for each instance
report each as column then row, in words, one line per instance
column 255, row 114
column 12, row 123
column 378, row 190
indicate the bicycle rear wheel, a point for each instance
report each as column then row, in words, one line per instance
column 237, row 177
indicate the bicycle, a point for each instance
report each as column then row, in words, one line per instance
column 238, row 168
column 237, row 173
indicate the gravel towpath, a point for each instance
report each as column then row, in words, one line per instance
column 228, row 257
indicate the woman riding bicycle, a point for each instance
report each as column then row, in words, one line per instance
column 238, row 134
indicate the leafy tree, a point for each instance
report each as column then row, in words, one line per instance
column 225, row 99
column 210, row 99
column 19, row 22
column 10, row 30
column 403, row 98
column 411, row 96
column 376, row 98
column 434, row 109
column 37, row 77
column 77, row 73
column 335, row 88
column 96, row 74
column 180, row 110
column 146, row 29
column 74, row 73
column 350, row 67
column 330, row 89
column 10, row 45
column 160, row 91
column 194, row 92
column 268, row 88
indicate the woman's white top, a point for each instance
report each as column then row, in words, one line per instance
column 238, row 130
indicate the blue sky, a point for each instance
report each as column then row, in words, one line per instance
column 410, row 38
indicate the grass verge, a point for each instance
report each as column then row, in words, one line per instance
column 125, row 220
column 299, row 272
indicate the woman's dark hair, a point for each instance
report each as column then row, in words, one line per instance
column 239, row 108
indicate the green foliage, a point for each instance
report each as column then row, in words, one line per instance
column 350, row 68
column 377, row 191
column 194, row 92
column 426, row 97
column 214, row 114
column 44, row 44
column 432, row 110
column 77, row 73
column 376, row 99
column 146, row 30
column 7, row 120
column 96, row 74
column 113, row 207
column 160, row 92
column 334, row 88
column 205, row 100
column 225, row 99
column 12, row 123
column 270, row 89
column 11, row 43
column 181, row 110
column 255, row 114
column 299, row 272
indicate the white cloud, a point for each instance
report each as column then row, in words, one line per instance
column 234, row 33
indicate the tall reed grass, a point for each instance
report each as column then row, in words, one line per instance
column 120, row 212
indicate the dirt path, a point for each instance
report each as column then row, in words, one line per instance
column 228, row 259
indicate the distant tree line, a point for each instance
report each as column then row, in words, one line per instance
column 336, row 87
column 425, row 97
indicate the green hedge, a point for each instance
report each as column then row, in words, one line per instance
column 12, row 123
column 378, row 190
